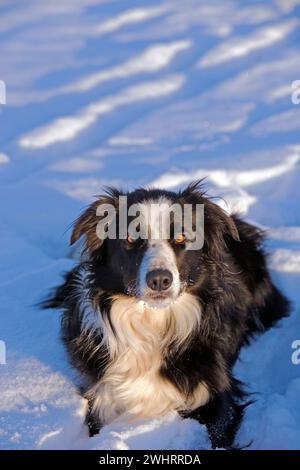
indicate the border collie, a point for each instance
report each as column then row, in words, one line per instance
column 154, row 327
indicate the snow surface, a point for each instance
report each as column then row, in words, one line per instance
column 132, row 93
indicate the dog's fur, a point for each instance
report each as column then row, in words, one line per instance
column 145, row 356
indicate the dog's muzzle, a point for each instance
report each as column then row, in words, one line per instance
column 158, row 280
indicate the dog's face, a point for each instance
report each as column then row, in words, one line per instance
column 157, row 266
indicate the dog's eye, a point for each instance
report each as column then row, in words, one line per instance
column 130, row 240
column 180, row 239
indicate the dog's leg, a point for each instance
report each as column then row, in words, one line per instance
column 92, row 422
column 222, row 417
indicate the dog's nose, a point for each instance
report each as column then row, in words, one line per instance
column 159, row 279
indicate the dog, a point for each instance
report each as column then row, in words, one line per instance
column 154, row 327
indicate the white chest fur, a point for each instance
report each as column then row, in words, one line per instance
column 137, row 343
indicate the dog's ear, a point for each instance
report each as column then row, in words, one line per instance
column 218, row 228
column 86, row 225
column 87, row 222
column 227, row 223
column 218, row 222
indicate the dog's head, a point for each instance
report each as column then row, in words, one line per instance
column 141, row 250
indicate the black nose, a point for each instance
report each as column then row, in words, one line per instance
column 159, row 279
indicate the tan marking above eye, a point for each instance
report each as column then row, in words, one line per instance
column 180, row 239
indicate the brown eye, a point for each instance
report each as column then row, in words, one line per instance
column 130, row 240
column 180, row 239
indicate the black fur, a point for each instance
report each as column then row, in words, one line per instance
column 228, row 276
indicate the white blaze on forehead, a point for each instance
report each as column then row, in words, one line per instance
column 159, row 218
column 153, row 224
column 159, row 254
column 154, row 217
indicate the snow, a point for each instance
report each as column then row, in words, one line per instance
column 129, row 17
column 242, row 46
column 4, row 158
column 109, row 92
column 151, row 60
column 67, row 128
